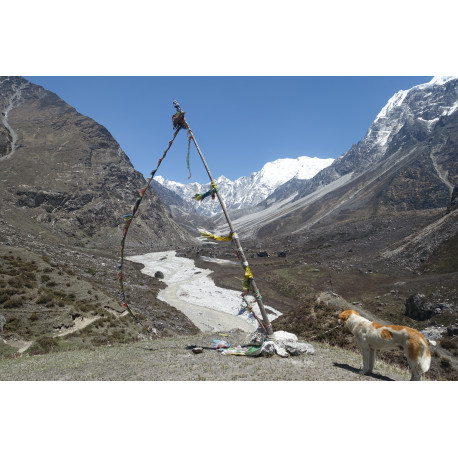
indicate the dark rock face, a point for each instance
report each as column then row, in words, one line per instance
column 418, row 308
column 63, row 173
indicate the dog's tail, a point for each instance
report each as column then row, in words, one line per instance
column 424, row 356
column 425, row 359
column 419, row 350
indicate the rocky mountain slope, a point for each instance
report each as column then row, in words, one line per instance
column 408, row 161
column 63, row 176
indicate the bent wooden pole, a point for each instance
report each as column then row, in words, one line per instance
column 267, row 324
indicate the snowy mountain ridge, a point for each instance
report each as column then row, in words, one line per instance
column 406, row 161
column 249, row 191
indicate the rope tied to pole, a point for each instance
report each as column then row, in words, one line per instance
column 128, row 218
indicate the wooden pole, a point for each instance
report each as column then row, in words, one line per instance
column 235, row 237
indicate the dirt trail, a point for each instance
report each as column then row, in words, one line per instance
column 78, row 323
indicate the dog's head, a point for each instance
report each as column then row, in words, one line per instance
column 343, row 317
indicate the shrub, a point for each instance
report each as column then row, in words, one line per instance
column 16, row 282
column 45, row 278
column 449, row 344
column 12, row 324
column 101, row 340
column 445, row 363
column 33, row 316
column 45, row 298
column 12, row 303
column 44, row 345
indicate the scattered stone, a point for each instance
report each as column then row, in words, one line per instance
column 298, row 348
column 433, row 333
column 159, row 274
column 197, row 350
column 263, row 254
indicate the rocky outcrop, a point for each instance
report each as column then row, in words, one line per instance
column 418, row 308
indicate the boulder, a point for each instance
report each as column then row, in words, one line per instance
column 418, row 308
column 159, row 274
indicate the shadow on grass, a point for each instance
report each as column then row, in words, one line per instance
column 356, row 371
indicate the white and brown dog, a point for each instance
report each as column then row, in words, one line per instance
column 372, row 336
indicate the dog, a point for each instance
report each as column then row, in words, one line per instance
column 372, row 336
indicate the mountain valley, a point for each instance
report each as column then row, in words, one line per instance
column 376, row 227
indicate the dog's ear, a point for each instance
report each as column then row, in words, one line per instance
column 346, row 314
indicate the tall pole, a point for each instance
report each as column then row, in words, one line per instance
column 235, row 237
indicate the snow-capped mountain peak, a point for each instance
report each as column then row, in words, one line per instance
column 249, row 191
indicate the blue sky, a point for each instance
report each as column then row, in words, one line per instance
column 240, row 123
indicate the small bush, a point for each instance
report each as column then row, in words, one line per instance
column 33, row 317
column 12, row 324
column 45, row 298
column 45, row 278
column 445, row 363
column 449, row 344
column 101, row 340
column 44, row 345
column 16, row 282
column 12, row 303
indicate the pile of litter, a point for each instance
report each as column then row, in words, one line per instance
column 283, row 344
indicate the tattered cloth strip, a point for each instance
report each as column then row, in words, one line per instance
column 212, row 192
column 128, row 219
column 187, row 156
column 221, row 238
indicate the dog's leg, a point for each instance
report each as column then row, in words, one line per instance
column 416, row 370
column 365, row 352
column 372, row 355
